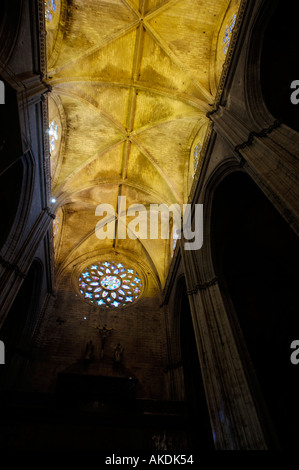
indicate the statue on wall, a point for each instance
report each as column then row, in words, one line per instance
column 89, row 352
column 118, row 353
column 105, row 332
column 162, row 441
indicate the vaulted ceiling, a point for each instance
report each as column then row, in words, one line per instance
column 132, row 81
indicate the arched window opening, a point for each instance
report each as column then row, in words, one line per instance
column 50, row 9
column 196, row 157
column 228, row 33
column 53, row 135
column 10, row 194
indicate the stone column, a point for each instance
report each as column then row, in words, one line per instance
column 234, row 420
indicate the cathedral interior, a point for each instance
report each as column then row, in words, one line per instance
column 120, row 328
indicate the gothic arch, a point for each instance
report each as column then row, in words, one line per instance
column 17, row 186
column 253, row 254
column 269, row 71
column 10, row 20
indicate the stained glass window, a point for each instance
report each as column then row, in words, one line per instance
column 56, row 225
column 50, row 8
column 175, row 239
column 196, row 155
column 53, row 135
column 110, row 284
column 228, row 33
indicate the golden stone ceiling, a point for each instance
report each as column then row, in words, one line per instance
column 132, row 81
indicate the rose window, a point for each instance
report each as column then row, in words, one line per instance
column 110, row 284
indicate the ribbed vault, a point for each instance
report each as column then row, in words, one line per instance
column 132, row 81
